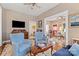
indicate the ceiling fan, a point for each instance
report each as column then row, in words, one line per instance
column 33, row 5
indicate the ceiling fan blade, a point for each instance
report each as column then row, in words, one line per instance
column 27, row 3
column 37, row 6
column 33, row 4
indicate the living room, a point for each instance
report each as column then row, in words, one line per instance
column 27, row 22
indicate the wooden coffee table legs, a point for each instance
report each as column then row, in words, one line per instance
column 35, row 50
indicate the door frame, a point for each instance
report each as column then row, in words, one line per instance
column 53, row 17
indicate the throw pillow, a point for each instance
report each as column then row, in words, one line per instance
column 74, row 49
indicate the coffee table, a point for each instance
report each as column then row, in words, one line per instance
column 35, row 50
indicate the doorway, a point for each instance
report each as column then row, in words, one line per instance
column 56, row 29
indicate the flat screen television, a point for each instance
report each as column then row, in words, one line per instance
column 18, row 24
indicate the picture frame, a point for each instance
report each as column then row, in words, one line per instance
column 40, row 24
column 74, row 20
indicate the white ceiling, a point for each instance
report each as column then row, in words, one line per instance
column 20, row 7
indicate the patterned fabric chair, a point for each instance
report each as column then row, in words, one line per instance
column 20, row 46
column 40, row 38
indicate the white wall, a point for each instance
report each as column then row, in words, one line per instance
column 0, row 25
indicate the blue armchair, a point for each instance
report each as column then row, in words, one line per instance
column 40, row 38
column 20, row 46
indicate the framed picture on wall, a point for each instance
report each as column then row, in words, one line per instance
column 74, row 20
column 40, row 24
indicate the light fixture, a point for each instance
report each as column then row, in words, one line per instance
column 61, row 17
column 32, row 5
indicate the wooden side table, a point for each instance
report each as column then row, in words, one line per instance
column 35, row 50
